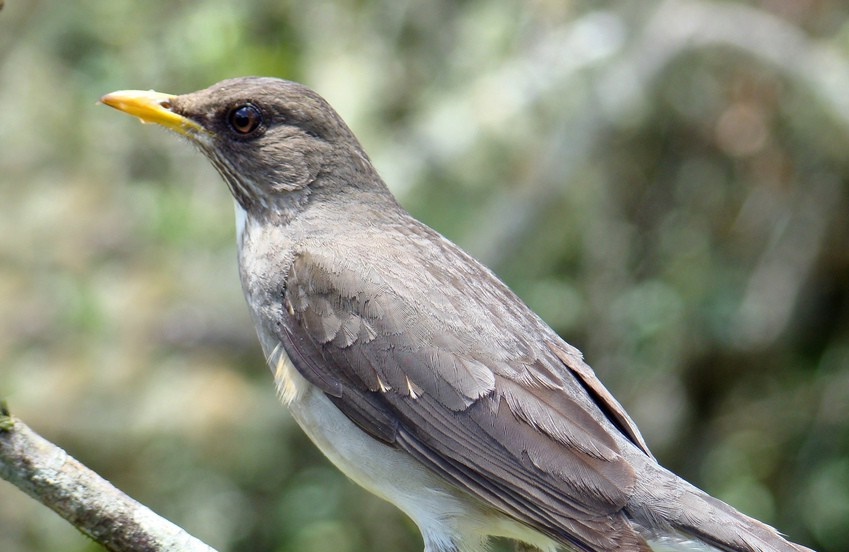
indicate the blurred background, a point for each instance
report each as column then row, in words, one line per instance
column 666, row 183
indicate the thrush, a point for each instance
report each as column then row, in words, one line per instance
column 410, row 365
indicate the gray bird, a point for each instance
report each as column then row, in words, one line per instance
column 413, row 368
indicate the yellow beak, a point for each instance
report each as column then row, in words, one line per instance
column 151, row 107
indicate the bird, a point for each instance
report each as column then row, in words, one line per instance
column 412, row 367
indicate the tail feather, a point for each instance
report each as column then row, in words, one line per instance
column 674, row 515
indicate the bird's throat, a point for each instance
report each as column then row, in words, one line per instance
column 241, row 222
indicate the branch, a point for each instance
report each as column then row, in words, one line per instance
column 86, row 500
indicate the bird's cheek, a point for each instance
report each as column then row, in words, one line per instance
column 292, row 173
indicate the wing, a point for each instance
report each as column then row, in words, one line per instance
column 453, row 368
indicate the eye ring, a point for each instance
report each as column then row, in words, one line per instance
column 244, row 119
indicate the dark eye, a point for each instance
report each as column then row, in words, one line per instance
column 244, row 119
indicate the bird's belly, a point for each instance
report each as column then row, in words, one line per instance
column 383, row 470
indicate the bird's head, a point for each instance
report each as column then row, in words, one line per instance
column 270, row 139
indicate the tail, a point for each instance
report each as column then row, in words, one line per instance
column 673, row 515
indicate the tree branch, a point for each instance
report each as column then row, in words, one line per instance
column 93, row 505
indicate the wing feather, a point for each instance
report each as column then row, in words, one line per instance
column 497, row 415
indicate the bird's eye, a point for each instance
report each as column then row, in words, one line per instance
column 245, row 119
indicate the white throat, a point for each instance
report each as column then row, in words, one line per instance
column 241, row 221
